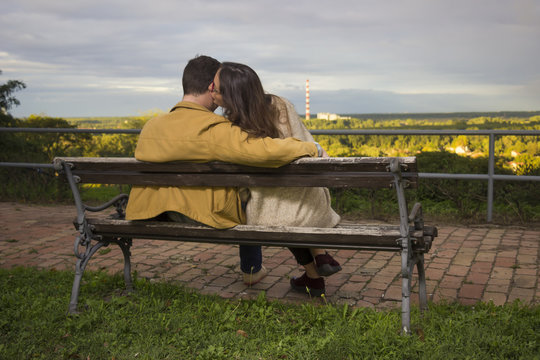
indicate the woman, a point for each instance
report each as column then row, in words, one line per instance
column 238, row 89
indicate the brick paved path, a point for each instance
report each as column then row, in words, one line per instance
column 465, row 264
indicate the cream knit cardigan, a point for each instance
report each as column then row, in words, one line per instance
column 290, row 206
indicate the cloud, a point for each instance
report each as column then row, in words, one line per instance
column 400, row 54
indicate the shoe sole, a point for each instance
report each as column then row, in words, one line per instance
column 327, row 270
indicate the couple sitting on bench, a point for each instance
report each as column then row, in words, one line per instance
column 258, row 130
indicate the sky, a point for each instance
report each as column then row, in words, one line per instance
column 83, row 58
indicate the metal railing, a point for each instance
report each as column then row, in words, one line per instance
column 490, row 176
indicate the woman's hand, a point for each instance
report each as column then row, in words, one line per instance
column 324, row 153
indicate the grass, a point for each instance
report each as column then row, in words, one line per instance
column 164, row 321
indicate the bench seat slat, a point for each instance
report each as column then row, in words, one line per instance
column 365, row 237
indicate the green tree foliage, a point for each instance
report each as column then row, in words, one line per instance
column 7, row 100
column 31, row 184
column 467, row 197
column 54, row 144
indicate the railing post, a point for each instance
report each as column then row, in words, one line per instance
column 491, row 172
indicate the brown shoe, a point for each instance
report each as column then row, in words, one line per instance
column 252, row 279
column 307, row 285
column 326, row 265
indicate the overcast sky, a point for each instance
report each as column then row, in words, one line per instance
column 115, row 58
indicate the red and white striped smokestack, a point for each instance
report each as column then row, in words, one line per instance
column 307, row 99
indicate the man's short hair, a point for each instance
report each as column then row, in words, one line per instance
column 199, row 74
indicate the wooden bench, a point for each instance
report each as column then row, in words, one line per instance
column 410, row 236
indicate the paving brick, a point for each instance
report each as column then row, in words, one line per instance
column 223, row 281
column 359, row 278
column 458, row 270
column 447, row 253
column 393, row 293
column 491, row 241
column 498, row 288
column 471, row 244
column 355, row 262
column 502, row 273
column 525, row 271
column 477, row 278
column 373, row 293
column 527, row 259
column 385, row 278
column 451, row 282
column 463, row 260
column 434, row 274
column 505, row 261
column 371, row 300
column 486, row 256
column 445, row 294
column 452, row 245
column 473, row 291
column 218, row 270
column 468, row 301
column 379, row 285
column 525, row 281
column 376, row 264
column 483, row 267
column 237, row 287
column 278, row 290
column 345, row 253
column 442, row 262
column 525, row 295
column 353, row 287
column 497, row 298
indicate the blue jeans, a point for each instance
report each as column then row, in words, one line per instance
column 250, row 255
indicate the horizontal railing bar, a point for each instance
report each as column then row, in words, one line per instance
column 26, row 165
column 478, row 177
column 426, row 132
column 314, row 132
column 70, row 130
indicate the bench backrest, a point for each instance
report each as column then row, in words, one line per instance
column 370, row 172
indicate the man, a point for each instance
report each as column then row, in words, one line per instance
column 191, row 131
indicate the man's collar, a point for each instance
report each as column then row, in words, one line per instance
column 189, row 105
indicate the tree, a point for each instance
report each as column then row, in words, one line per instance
column 7, row 100
column 54, row 144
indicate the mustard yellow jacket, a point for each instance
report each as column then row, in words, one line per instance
column 192, row 132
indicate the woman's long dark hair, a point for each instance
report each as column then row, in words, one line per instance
column 244, row 101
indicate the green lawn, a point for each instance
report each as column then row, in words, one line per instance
column 164, row 321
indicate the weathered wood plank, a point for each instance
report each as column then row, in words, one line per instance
column 365, row 237
column 303, row 165
column 369, row 172
column 340, row 180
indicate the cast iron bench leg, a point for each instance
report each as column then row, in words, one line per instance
column 82, row 261
column 405, row 289
column 125, row 245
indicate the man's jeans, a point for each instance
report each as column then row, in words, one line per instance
column 250, row 259
column 250, row 256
